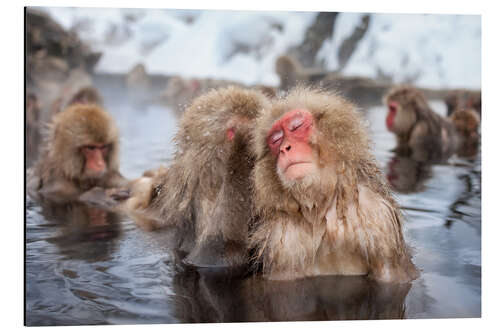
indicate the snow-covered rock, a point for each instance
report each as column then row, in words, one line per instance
column 435, row 51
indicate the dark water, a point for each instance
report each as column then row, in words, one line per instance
column 84, row 266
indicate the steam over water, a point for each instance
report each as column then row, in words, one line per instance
column 84, row 266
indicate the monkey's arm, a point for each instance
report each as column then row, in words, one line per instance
column 59, row 190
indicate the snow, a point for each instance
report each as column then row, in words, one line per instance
column 435, row 51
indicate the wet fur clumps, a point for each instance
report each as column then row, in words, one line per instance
column 61, row 165
column 206, row 190
column 344, row 222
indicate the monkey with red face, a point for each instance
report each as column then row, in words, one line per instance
column 421, row 133
column 80, row 152
column 323, row 205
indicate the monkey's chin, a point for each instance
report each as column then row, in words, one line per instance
column 297, row 171
column 94, row 175
column 299, row 174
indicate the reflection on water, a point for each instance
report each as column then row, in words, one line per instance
column 86, row 266
column 218, row 298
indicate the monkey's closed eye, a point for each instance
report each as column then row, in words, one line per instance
column 276, row 136
column 296, row 123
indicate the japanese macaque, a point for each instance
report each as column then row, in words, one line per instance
column 466, row 122
column 421, row 133
column 33, row 126
column 463, row 99
column 323, row 205
column 86, row 95
column 207, row 188
column 79, row 153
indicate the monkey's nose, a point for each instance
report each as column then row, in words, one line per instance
column 286, row 148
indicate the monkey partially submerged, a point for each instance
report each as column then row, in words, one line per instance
column 421, row 133
column 294, row 181
column 207, row 189
column 323, row 205
column 79, row 153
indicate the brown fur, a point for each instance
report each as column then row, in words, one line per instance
column 60, row 170
column 466, row 122
column 421, row 133
column 86, row 95
column 207, row 188
column 33, row 122
column 345, row 223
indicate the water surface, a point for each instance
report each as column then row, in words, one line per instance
column 85, row 266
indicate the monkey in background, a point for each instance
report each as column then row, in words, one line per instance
column 322, row 204
column 207, row 189
column 87, row 94
column 425, row 136
column 467, row 122
column 421, row 133
column 79, row 153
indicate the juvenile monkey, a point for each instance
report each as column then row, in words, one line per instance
column 207, row 188
column 79, row 153
column 421, row 133
column 323, row 205
column 467, row 122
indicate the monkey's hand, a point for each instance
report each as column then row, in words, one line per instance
column 118, row 194
column 104, row 198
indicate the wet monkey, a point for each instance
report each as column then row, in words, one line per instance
column 79, row 153
column 322, row 204
column 467, row 123
column 421, row 133
column 206, row 191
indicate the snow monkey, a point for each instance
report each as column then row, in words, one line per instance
column 323, row 206
column 207, row 189
column 421, row 133
column 79, row 153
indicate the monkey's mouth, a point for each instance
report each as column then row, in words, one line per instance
column 296, row 163
column 298, row 169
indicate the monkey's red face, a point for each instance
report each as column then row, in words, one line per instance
column 95, row 159
column 288, row 140
column 393, row 109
